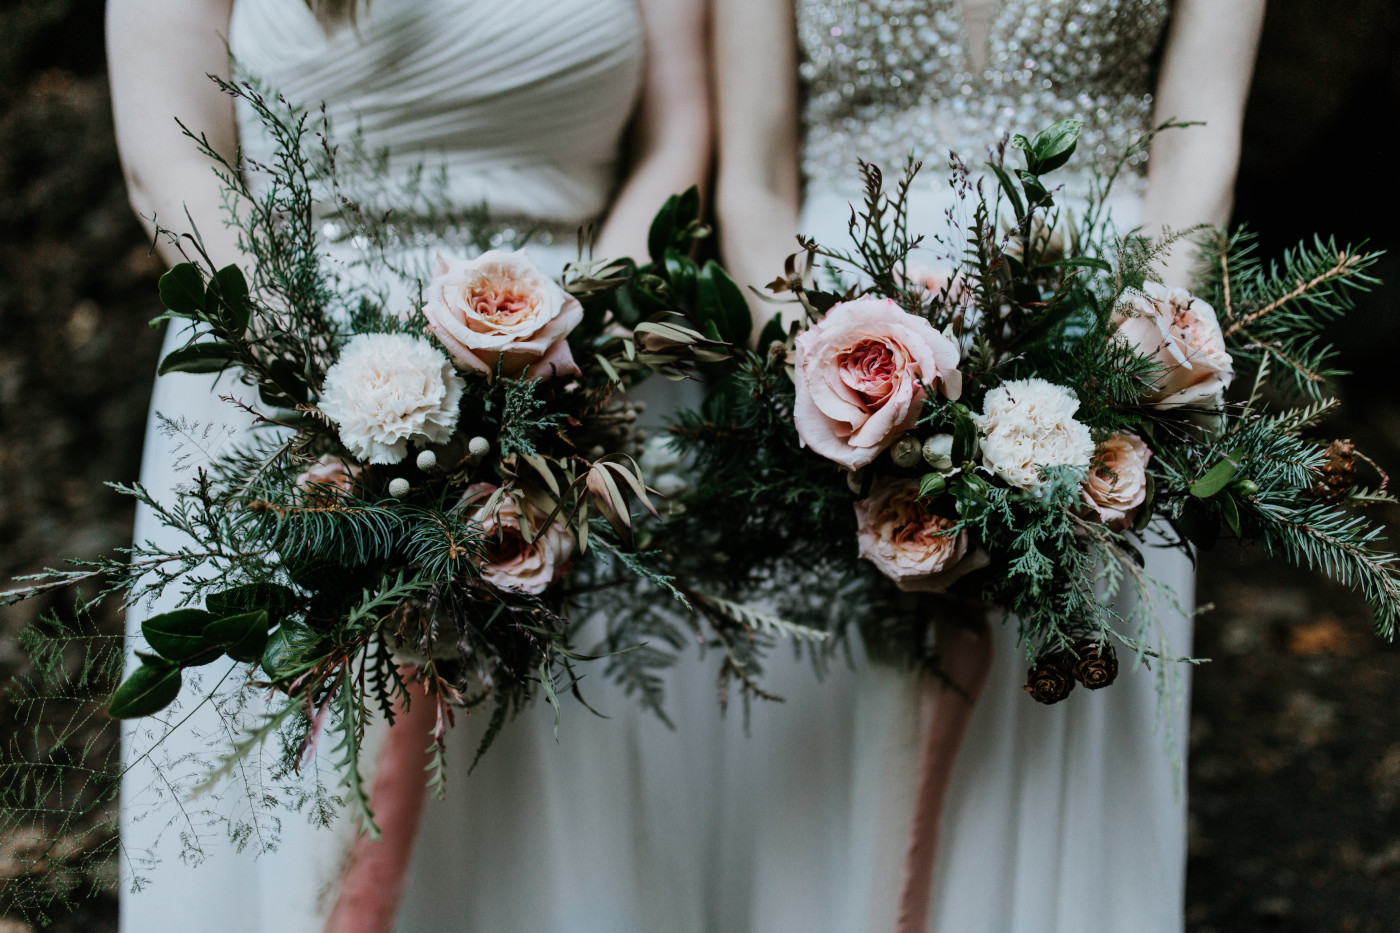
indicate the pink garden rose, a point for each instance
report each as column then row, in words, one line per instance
column 329, row 473
column 511, row 562
column 909, row 545
column 502, row 306
column 1181, row 332
column 861, row 375
column 1117, row 480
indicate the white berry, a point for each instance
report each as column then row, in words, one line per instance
column 427, row 460
column 478, row 447
column 398, row 487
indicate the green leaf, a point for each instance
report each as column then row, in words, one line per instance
column 688, row 207
column 1053, row 147
column 662, row 232
column 242, row 637
column 151, row 688
column 932, row 485
column 772, row 331
column 273, row 598
column 682, row 271
column 1231, row 513
column 182, row 290
column 288, row 647
column 198, row 358
column 1009, row 186
column 718, row 298
column 229, row 290
column 288, row 379
column 964, row 434
column 1079, row 262
column 1216, row 478
column 178, row 635
column 1035, row 191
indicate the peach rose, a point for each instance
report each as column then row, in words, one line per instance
column 318, row 481
column 510, row 561
column 1181, row 332
column 1117, row 480
column 909, row 545
column 501, row 306
column 861, row 374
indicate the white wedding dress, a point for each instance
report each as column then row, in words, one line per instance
column 1059, row 819
column 524, row 103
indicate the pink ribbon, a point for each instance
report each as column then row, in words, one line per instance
column 965, row 659
column 375, row 875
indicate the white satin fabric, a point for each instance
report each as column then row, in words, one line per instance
column 1059, row 819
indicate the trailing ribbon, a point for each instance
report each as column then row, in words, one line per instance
column 945, row 707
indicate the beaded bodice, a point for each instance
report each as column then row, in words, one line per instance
column 884, row 78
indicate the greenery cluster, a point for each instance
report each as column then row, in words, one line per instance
column 1038, row 292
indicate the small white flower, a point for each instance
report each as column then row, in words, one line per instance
column 387, row 390
column 478, row 447
column 398, row 487
column 938, row 453
column 1027, row 424
column 427, row 460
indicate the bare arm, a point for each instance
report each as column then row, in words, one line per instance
column 1205, row 76
column 671, row 130
column 758, row 191
column 158, row 54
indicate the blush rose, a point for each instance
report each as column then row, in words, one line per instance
column 911, row 546
column 861, row 374
column 513, row 560
column 1117, row 482
column 320, row 481
column 502, row 307
column 1182, row 333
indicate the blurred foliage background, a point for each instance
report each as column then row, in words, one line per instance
column 1295, row 743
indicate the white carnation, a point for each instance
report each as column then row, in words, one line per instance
column 389, row 389
column 1027, row 424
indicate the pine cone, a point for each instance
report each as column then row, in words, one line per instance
column 1338, row 473
column 1051, row 680
column 1096, row 665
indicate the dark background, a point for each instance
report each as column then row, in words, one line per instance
column 1295, row 738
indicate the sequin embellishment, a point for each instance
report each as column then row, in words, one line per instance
column 882, row 78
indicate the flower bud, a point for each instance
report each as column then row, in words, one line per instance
column 907, row 451
column 427, row 460
column 938, row 453
column 398, row 487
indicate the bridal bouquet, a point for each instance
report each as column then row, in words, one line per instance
column 427, row 484
column 1014, row 419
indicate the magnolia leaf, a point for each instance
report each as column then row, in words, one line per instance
column 230, row 290
column 149, row 689
column 178, row 635
column 243, row 637
column 1053, row 146
column 277, row 600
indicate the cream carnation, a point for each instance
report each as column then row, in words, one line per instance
column 910, row 546
column 514, row 559
column 387, row 390
column 502, row 307
column 1027, row 424
column 1117, row 484
column 1181, row 332
column 862, row 372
